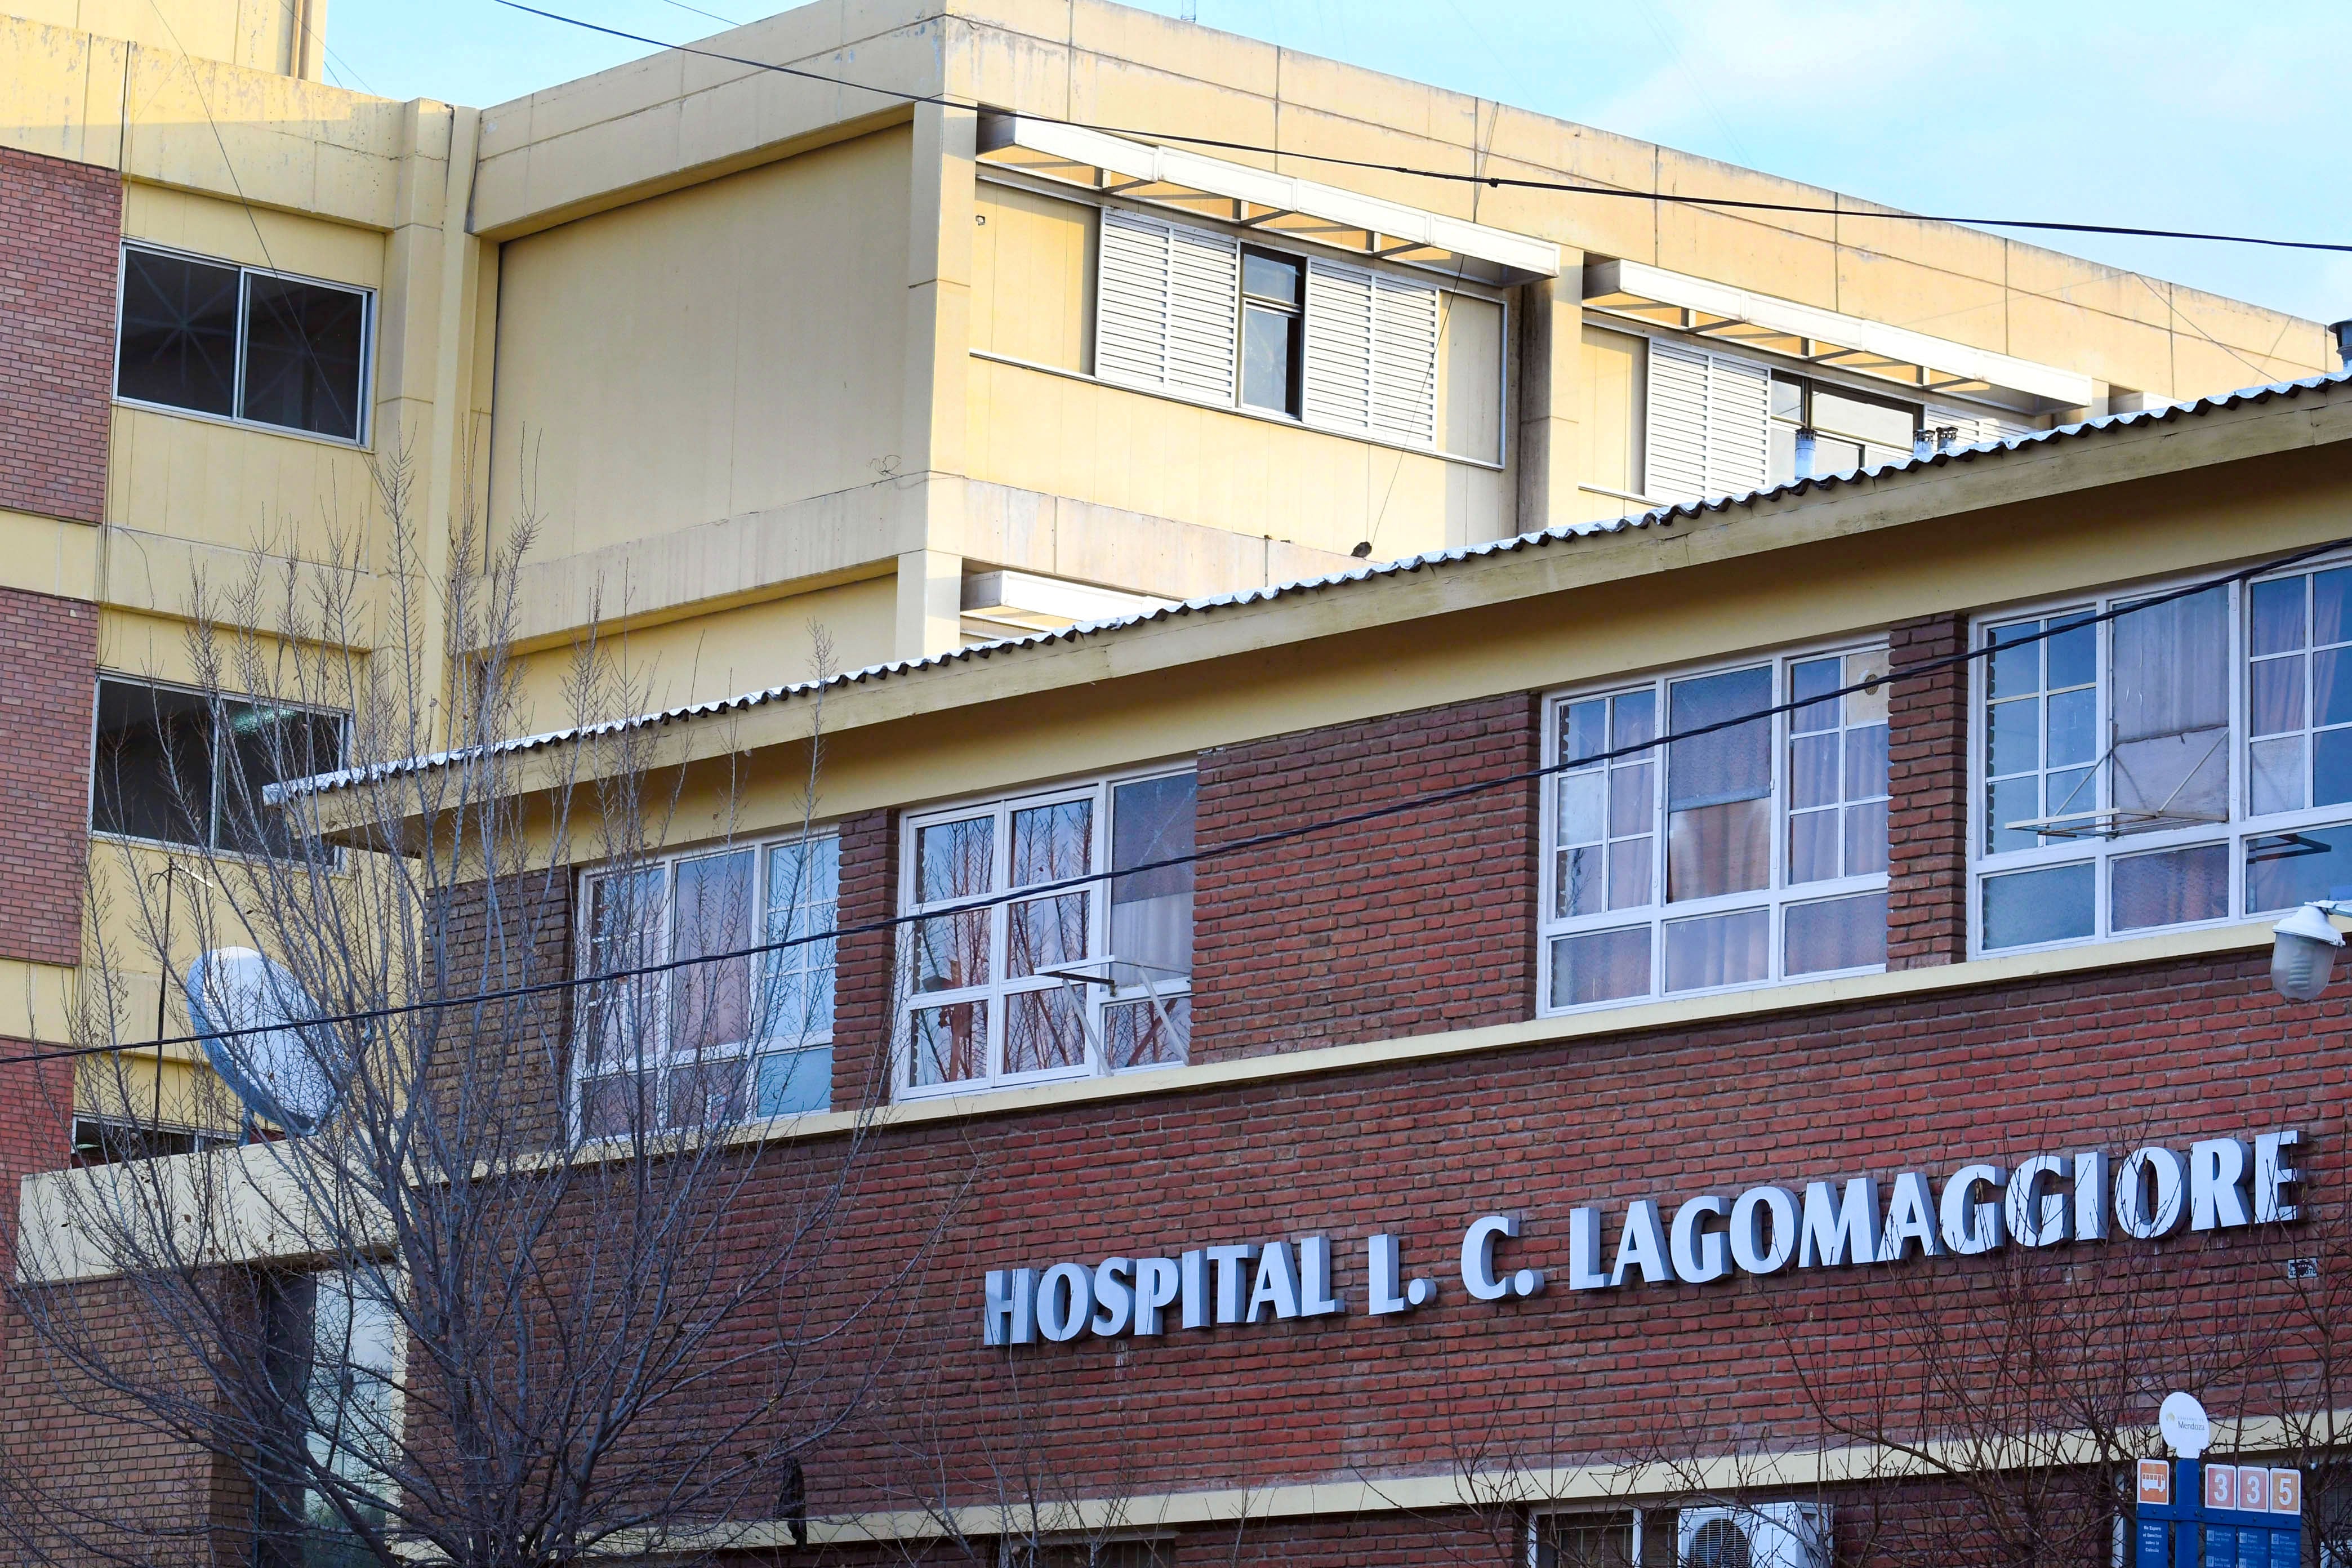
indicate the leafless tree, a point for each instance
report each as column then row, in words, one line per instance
column 505, row 1277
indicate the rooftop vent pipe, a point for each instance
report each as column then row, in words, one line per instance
column 2343, row 333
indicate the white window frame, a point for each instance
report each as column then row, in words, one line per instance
column 1162, row 990
column 658, row 1056
column 2102, row 852
column 1777, row 896
column 245, row 275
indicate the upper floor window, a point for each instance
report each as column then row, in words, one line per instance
column 1073, row 980
column 1750, row 853
column 2180, row 764
column 243, row 343
column 1345, row 348
column 1818, row 428
column 183, row 767
column 708, row 1042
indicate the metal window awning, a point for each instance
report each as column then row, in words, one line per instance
column 1244, row 197
column 1742, row 317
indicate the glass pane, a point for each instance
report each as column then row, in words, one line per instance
column 2331, row 685
column 303, row 350
column 1051, row 843
column 2275, row 695
column 2331, row 767
column 2168, row 889
column 2012, row 800
column 1582, row 802
column 1583, row 730
column 1151, row 912
column 2030, row 906
column 2285, row 870
column 1865, row 839
column 1136, row 1036
column 1850, row 415
column 1813, row 769
column 1271, row 278
column 266, row 745
column 2015, row 668
column 1630, row 873
column 2073, row 792
column 710, row 1004
column 619, row 1018
column 1581, row 873
column 619, row 1106
column 1269, row 358
column 1787, row 399
column 1043, row 1030
column 1781, row 454
column 1718, row 849
column 2329, row 623
column 707, row 1094
column 951, row 950
column 1719, row 950
column 1045, row 934
column 2015, row 737
column 153, row 775
column 949, row 1044
column 1865, row 762
column 2072, row 657
column 1636, row 713
column 1630, row 803
column 1812, row 846
column 2276, row 617
column 178, row 345
column 1836, row 933
column 803, row 889
column 1601, row 966
column 790, row 1082
column 2275, row 775
column 1808, row 681
column 2073, row 725
column 954, row 859
column 1867, row 706
column 1835, row 455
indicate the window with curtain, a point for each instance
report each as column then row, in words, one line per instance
column 732, row 1031
column 1053, row 937
column 1748, row 850
column 2188, row 761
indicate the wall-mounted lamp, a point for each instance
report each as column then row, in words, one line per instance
column 2302, row 950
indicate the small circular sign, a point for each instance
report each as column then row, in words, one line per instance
column 2182, row 1421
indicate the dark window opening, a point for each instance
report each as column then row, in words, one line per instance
column 179, row 332
column 242, row 343
column 1272, row 325
column 178, row 768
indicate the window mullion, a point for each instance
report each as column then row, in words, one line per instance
column 244, row 333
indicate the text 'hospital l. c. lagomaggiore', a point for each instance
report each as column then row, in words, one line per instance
column 1424, row 871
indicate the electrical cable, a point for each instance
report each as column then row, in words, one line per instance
column 1216, row 852
column 1497, row 182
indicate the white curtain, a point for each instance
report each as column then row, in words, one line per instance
column 2170, row 668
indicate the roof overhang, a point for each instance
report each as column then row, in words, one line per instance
column 1244, row 197
column 1750, row 320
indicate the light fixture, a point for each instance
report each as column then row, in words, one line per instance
column 2303, row 950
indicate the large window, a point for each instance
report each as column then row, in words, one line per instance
column 1344, row 348
column 2182, row 764
column 1753, row 852
column 719, row 1041
column 340, row 1330
column 181, row 768
column 1820, row 430
column 242, row 342
column 1072, row 981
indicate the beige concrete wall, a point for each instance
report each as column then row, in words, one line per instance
column 1614, row 368
column 262, row 34
column 1033, row 277
column 722, row 350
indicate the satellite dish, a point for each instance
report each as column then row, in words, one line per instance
column 245, row 1008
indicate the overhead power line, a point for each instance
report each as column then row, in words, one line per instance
column 1253, row 842
column 1496, row 181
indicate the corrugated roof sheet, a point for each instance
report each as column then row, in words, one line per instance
column 1435, row 560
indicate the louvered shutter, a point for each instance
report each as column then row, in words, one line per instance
column 1165, row 305
column 1706, row 426
column 1338, row 346
column 1371, row 353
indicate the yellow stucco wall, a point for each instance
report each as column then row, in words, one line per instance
column 259, row 34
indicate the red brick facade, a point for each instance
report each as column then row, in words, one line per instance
column 1405, row 925
column 49, row 681
column 865, row 969
column 1928, row 777
column 60, row 226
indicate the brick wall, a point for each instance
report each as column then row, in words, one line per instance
column 865, row 968
column 48, row 680
column 494, row 936
column 1403, row 926
column 61, row 224
column 1927, row 818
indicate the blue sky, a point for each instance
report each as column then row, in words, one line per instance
column 2166, row 113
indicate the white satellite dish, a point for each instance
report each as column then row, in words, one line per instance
column 246, row 1008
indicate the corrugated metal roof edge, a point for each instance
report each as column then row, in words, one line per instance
column 1563, row 534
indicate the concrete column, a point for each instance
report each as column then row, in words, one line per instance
column 1551, row 395
column 931, row 603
